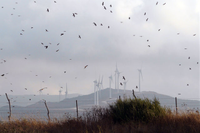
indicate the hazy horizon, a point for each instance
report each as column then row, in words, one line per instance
column 51, row 44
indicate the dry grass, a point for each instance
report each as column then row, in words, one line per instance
column 99, row 120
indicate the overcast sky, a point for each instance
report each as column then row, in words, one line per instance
column 159, row 43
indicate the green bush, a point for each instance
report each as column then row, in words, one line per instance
column 138, row 110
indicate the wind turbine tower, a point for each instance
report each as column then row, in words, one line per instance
column 140, row 74
column 100, row 86
column 125, row 85
column 60, row 92
column 95, row 92
column 110, row 80
column 117, row 73
column 66, row 92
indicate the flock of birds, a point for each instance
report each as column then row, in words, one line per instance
column 75, row 14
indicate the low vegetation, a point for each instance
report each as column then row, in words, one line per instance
column 128, row 115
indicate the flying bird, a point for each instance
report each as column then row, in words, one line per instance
column 129, row 18
column 2, row 75
column 110, row 5
column 85, row 66
column 164, row 3
column 147, row 19
column 47, row 10
column 61, row 34
column 104, row 7
column 188, row 57
column 156, row 3
column 94, row 24
column 121, row 84
column 145, row 13
column 46, row 47
column 102, row 3
column 124, row 78
column 194, row 34
column 79, row 36
column 158, row 29
column 57, row 50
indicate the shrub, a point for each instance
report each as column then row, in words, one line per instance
column 138, row 110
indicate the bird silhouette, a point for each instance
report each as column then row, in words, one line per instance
column 61, row 34
column 145, row 13
column 94, row 24
column 47, row 10
column 156, row 3
column 121, row 84
column 85, row 66
column 124, row 78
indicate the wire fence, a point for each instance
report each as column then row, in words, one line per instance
column 75, row 108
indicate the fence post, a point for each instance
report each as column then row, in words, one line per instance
column 9, row 106
column 47, row 110
column 77, row 109
column 176, row 105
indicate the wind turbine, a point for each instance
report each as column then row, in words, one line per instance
column 101, row 86
column 140, row 73
column 117, row 73
column 95, row 84
column 97, row 93
column 125, row 85
column 60, row 92
column 66, row 92
column 110, row 80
